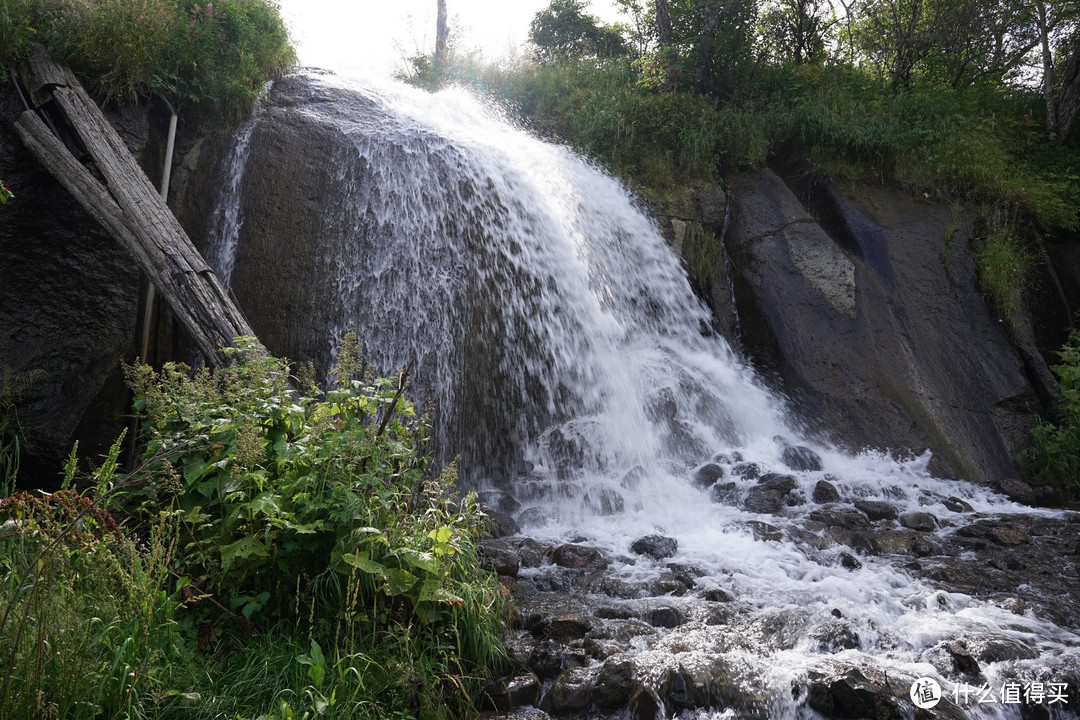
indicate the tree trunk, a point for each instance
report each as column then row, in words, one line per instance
column 442, row 35
column 663, row 23
column 128, row 207
column 1068, row 106
column 1048, row 71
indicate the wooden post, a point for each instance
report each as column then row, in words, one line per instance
column 128, row 207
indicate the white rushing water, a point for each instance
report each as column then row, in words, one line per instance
column 533, row 292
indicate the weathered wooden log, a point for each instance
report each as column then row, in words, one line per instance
column 129, row 207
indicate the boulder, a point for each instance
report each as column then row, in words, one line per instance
column 565, row 628
column 852, row 695
column 749, row 471
column 546, row 659
column 775, row 481
column 498, row 558
column 657, row 547
column 717, row 595
column 798, row 457
column 825, row 492
column 663, row 616
column 997, row 534
column 501, row 525
column 579, row 557
column 709, row 682
column 724, row 493
column 615, row 683
column 921, row 521
column 706, row 475
column 764, row 500
column 1016, row 490
column 499, row 501
column 849, row 518
column 877, row 509
column 957, row 505
column 571, row 691
column 522, row 689
column 834, row 636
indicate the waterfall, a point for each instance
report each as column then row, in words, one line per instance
column 227, row 220
column 570, row 363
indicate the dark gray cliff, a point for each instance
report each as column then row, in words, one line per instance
column 69, row 298
column 863, row 306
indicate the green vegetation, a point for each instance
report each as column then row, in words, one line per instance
column 279, row 553
column 213, row 57
column 1005, row 267
column 1055, row 458
column 971, row 143
column 937, row 97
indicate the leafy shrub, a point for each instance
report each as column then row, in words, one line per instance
column 1055, row 457
column 309, row 505
column 215, row 56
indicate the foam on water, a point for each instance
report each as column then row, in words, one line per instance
column 485, row 247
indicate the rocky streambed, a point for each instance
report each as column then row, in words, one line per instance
column 974, row 599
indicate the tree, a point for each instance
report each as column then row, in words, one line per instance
column 713, row 42
column 980, row 40
column 1061, row 90
column 640, row 31
column 894, row 36
column 796, row 29
column 564, row 30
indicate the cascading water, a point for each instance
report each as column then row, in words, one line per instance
column 571, row 364
column 226, row 221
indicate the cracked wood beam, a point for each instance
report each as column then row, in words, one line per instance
column 129, row 207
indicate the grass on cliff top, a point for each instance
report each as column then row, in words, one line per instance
column 980, row 144
column 213, row 57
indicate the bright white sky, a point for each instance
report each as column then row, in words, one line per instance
column 372, row 36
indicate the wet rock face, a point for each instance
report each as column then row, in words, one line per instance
column 692, row 220
column 862, row 314
column 67, row 306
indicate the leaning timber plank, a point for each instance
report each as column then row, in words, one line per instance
column 41, row 73
column 131, row 209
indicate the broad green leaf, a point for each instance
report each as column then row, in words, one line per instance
column 361, row 561
column 196, row 515
column 432, row 591
column 306, row 528
column 266, row 503
column 242, row 548
column 441, row 535
column 195, row 469
column 399, row 581
column 421, row 560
